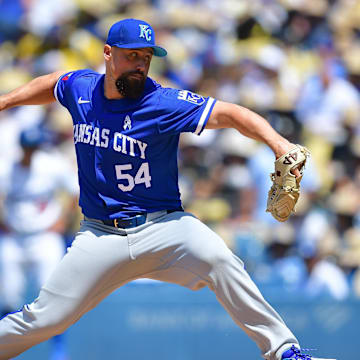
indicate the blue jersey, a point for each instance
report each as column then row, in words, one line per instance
column 127, row 149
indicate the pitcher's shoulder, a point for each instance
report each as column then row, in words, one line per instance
column 80, row 76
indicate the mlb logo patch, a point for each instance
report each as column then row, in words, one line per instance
column 191, row 97
column 66, row 77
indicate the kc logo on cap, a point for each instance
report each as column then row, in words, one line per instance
column 134, row 34
column 145, row 32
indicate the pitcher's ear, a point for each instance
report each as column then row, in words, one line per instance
column 107, row 52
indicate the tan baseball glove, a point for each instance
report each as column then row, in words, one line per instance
column 285, row 191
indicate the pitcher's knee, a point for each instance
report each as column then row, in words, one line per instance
column 219, row 258
column 49, row 323
column 225, row 264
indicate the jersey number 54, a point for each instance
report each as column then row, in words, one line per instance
column 142, row 176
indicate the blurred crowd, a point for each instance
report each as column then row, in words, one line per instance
column 296, row 62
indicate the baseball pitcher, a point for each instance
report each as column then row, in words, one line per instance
column 126, row 133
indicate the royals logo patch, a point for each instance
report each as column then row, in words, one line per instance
column 145, row 32
column 191, row 97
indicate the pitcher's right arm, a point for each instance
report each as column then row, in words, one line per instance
column 39, row 91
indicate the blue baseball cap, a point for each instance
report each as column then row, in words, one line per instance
column 134, row 34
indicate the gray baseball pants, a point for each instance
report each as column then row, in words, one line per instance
column 175, row 248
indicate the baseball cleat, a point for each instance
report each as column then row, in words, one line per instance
column 297, row 354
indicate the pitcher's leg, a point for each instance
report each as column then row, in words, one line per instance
column 242, row 299
column 87, row 273
column 198, row 257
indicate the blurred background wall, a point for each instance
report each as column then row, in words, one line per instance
column 297, row 63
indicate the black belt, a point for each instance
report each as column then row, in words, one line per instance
column 132, row 221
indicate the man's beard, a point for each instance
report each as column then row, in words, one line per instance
column 130, row 87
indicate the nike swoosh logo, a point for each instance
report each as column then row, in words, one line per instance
column 81, row 101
